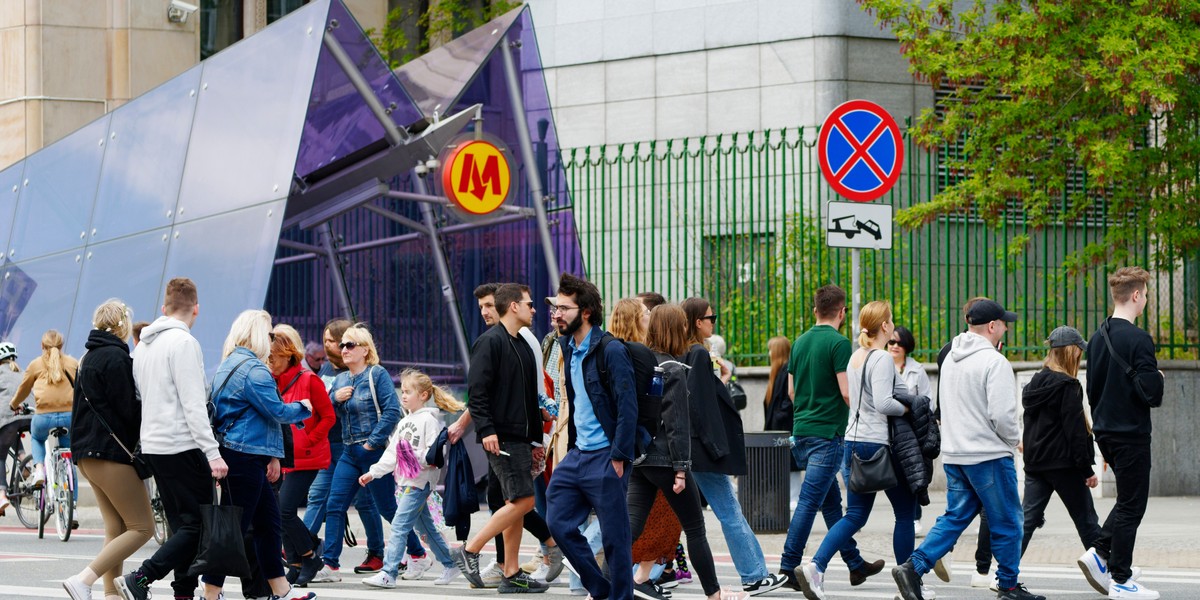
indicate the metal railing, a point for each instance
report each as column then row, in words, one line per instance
column 739, row 219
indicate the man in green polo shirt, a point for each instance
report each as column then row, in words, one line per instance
column 817, row 374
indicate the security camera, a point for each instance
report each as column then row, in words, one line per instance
column 179, row 11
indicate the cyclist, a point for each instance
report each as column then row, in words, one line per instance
column 51, row 378
column 12, row 423
column 105, row 428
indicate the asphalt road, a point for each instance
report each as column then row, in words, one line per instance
column 33, row 568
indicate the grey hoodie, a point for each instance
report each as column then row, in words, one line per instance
column 168, row 367
column 978, row 402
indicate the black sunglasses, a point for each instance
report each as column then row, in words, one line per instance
column 272, row 336
column 712, row 318
column 347, row 345
column 892, row 342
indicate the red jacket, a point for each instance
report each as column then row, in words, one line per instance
column 312, row 442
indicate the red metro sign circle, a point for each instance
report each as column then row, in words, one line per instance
column 860, row 150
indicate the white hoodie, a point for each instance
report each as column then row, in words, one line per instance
column 168, row 368
column 420, row 428
column 978, row 402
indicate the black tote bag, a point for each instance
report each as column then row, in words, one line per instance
column 222, row 550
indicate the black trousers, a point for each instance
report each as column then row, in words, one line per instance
column 534, row 523
column 643, row 487
column 293, row 494
column 185, row 483
column 1130, row 463
column 247, row 486
column 1071, row 487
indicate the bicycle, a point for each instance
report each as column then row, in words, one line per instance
column 56, row 497
column 21, row 493
column 162, row 530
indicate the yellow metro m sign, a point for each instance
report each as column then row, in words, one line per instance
column 476, row 177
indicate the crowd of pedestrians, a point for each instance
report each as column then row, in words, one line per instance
column 604, row 444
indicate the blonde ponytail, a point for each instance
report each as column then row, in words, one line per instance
column 446, row 402
column 422, row 384
column 52, row 356
column 871, row 319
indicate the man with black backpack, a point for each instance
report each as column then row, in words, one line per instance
column 604, row 412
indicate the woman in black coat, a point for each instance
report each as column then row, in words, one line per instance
column 105, row 423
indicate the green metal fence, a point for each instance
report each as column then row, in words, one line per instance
column 740, row 219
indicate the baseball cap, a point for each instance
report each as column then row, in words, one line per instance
column 986, row 311
column 1065, row 336
column 551, row 301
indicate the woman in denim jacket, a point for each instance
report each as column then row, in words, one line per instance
column 368, row 411
column 248, row 413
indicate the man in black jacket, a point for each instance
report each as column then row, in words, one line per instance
column 1123, row 384
column 503, row 400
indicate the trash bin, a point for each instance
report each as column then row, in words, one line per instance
column 765, row 490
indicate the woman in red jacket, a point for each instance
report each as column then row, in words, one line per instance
column 310, row 441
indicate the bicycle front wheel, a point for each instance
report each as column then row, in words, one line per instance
column 64, row 496
column 25, row 499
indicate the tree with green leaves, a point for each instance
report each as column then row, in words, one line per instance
column 417, row 27
column 1065, row 110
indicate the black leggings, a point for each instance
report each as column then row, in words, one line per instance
column 643, row 486
column 9, row 436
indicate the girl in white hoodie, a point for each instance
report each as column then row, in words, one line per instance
column 415, row 478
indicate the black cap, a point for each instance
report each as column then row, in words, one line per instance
column 986, row 311
column 1066, row 336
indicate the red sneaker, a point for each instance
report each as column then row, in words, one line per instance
column 372, row 564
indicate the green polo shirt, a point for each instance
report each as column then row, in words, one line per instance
column 817, row 358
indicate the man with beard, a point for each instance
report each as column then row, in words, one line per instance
column 592, row 476
column 503, row 398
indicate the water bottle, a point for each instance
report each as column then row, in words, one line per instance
column 656, row 382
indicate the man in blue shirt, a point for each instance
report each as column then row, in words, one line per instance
column 593, row 474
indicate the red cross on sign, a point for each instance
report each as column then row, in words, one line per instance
column 860, row 150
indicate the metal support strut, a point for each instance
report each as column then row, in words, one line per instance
column 439, row 260
column 360, row 84
column 527, row 156
column 335, row 271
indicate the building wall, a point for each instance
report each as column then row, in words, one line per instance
column 632, row 70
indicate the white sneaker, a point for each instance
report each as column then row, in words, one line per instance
column 917, row 527
column 534, row 563
column 417, row 567
column 39, row 477
column 1131, row 589
column 927, row 592
column 492, row 575
column 982, row 580
column 380, row 580
column 327, row 575
column 541, row 573
column 76, row 589
column 812, row 581
column 1095, row 569
column 447, row 576
column 941, row 568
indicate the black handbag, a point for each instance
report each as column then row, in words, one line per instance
column 222, row 550
column 874, row 474
column 737, row 393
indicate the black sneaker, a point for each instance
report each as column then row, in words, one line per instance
column 789, row 581
column 647, row 591
column 1018, row 593
column 309, row 565
column 667, row 580
column 859, row 576
column 134, row 586
column 468, row 563
column 908, row 581
column 521, row 583
column 764, row 585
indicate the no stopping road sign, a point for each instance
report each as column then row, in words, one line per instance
column 860, row 150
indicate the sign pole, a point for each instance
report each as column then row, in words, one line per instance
column 855, row 293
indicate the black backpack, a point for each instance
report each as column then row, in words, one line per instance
column 649, row 407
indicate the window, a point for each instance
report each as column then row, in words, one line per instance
column 220, row 25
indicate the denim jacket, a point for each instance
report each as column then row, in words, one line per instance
column 357, row 416
column 249, row 410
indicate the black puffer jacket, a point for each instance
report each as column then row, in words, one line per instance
column 1056, row 432
column 106, row 379
column 915, row 441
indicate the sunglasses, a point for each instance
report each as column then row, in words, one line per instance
column 712, row 318
column 528, row 303
column 272, row 336
column 347, row 345
column 892, row 342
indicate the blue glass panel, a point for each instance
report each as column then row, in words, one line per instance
column 10, row 190
column 249, row 116
column 131, row 269
column 53, row 280
column 59, row 187
column 230, row 257
column 147, row 144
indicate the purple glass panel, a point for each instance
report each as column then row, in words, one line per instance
column 339, row 122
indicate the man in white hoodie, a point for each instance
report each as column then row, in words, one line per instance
column 176, row 438
column 980, row 433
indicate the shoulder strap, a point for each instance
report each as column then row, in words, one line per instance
column 862, row 386
column 374, row 398
column 1129, row 371
column 291, row 383
column 102, row 420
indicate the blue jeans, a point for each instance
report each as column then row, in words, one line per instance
column 747, row 554
column 318, row 497
column 820, row 459
column 583, row 482
column 413, row 512
column 858, row 510
column 355, row 461
column 992, row 485
column 39, row 430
